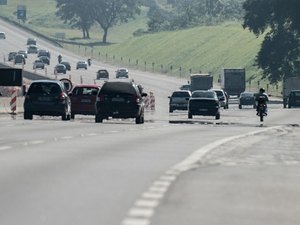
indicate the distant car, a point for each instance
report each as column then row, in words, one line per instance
column 179, row 100
column 205, row 103
column 60, row 68
column 19, row 59
column 11, row 56
column 102, row 74
column 83, row 98
column 120, row 100
column 47, row 98
column 38, row 64
column 294, row 99
column 223, row 98
column 45, row 59
column 32, row 49
column 67, row 64
column 247, row 98
column 43, row 52
column 185, row 87
column 81, row 65
column 2, row 35
column 122, row 73
column 23, row 52
column 31, row 41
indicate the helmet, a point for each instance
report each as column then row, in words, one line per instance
column 262, row 90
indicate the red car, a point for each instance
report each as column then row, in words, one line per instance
column 83, row 98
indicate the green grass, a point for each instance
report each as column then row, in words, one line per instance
column 206, row 49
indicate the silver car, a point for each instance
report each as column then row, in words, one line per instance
column 179, row 100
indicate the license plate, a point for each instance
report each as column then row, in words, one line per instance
column 117, row 99
column 45, row 99
column 202, row 110
column 86, row 100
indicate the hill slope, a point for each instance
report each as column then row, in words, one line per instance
column 206, row 49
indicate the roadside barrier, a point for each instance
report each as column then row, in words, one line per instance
column 13, row 101
column 147, row 102
column 152, row 101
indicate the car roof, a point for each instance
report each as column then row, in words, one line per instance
column 87, row 85
column 181, row 91
column 46, row 81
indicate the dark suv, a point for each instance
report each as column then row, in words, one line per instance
column 294, row 99
column 47, row 98
column 120, row 100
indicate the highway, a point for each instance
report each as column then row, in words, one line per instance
column 168, row 171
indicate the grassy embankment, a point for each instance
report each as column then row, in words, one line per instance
column 206, row 49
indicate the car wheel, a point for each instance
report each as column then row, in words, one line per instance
column 98, row 119
column 218, row 116
column 72, row 116
column 27, row 116
column 289, row 106
column 138, row 119
column 143, row 120
column 170, row 110
column 190, row 116
column 240, row 106
column 65, row 116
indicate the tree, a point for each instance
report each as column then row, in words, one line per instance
column 280, row 51
column 188, row 13
column 76, row 13
column 108, row 13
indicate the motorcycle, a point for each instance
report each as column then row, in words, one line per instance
column 262, row 111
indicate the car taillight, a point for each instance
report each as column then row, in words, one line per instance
column 100, row 98
column 135, row 98
column 27, row 97
column 62, row 97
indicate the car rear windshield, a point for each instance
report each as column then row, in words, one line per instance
column 44, row 88
column 180, row 94
column 119, row 87
column 247, row 95
column 295, row 93
column 203, row 94
column 84, row 90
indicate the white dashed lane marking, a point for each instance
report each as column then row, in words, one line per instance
column 144, row 208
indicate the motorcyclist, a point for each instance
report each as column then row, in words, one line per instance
column 261, row 98
column 59, row 58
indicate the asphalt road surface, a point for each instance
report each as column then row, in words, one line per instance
column 169, row 171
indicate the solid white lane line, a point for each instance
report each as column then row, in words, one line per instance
column 2, row 148
column 66, row 138
column 36, row 142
